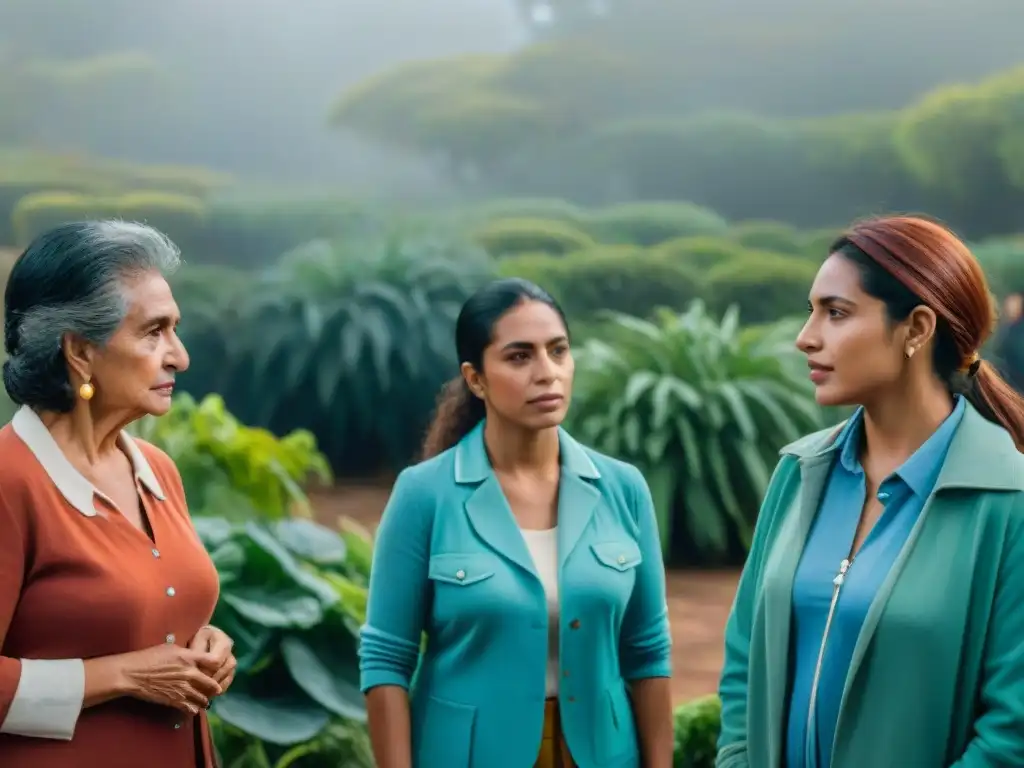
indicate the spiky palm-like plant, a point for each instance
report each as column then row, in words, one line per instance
column 702, row 406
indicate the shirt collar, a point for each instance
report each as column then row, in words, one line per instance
column 79, row 492
column 921, row 470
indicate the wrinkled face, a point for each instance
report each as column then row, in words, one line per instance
column 527, row 369
column 855, row 353
column 135, row 371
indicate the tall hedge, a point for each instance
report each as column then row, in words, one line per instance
column 178, row 216
column 624, row 280
column 764, row 286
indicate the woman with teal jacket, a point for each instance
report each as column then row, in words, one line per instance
column 879, row 620
column 533, row 566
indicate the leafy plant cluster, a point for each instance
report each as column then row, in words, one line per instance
column 702, row 407
column 351, row 339
column 293, row 592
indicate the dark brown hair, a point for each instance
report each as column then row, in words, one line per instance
column 458, row 409
column 906, row 261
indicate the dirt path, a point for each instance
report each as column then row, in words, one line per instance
column 698, row 602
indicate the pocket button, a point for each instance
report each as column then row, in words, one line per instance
column 460, row 574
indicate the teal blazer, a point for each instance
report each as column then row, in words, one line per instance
column 937, row 677
column 449, row 560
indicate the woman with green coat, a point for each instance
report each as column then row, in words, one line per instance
column 879, row 620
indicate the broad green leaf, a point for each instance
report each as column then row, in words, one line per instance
column 311, row 541
column 328, row 672
column 284, row 719
column 286, row 609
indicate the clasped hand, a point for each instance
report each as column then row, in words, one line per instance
column 183, row 678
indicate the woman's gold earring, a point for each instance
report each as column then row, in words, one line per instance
column 86, row 391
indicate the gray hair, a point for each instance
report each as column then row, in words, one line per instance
column 72, row 279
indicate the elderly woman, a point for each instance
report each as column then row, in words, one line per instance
column 106, row 658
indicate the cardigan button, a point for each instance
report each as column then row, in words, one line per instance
column 574, row 624
column 171, row 592
column 622, row 559
column 460, row 574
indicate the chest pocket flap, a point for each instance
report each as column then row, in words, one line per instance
column 619, row 555
column 461, row 569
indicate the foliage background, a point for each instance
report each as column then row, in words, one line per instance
column 673, row 173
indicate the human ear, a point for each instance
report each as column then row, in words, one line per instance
column 474, row 380
column 920, row 328
column 79, row 355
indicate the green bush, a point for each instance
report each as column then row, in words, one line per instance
column 1003, row 262
column 508, row 237
column 697, row 725
column 293, row 593
column 349, row 339
column 28, row 172
column 592, row 281
column 549, row 209
column 702, row 252
column 703, row 409
column 652, row 223
column 815, row 244
column 769, row 236
column 181, row 218
column 764, row 286
column 254, row 232
column 231, row 470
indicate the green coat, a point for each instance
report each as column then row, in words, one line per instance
column 937, row 678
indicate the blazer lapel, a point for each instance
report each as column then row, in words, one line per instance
column 493, row 521
column 489, row 512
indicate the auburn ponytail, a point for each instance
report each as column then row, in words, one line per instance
column 997, row 401
column 458, row 411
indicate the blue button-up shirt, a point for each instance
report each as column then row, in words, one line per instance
column 903, row 495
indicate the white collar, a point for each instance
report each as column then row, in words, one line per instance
column 79, row 492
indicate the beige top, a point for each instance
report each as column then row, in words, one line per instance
column 543, row 546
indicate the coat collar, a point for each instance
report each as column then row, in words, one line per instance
column 473, row 466
column 982, row 455
column 79, row 492
column 491, row 516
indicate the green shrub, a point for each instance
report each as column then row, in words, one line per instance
column 764, row 286
column 254, row 232
column 591, row 281
column 231, row 470
column 181, row 218
column 11, row 192
column 769, row 236
column 293, row 593
column 549, row 209
column 703, row 409
column 701, row 252
column 28, row 172
column 1003, row 262
column 697, row 725
column 652, row 223
column 508, row 237
column 815, row 243
column 350, row 339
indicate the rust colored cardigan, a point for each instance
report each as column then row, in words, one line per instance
column 79, row 581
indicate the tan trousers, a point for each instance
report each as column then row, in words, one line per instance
column 553, row 750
